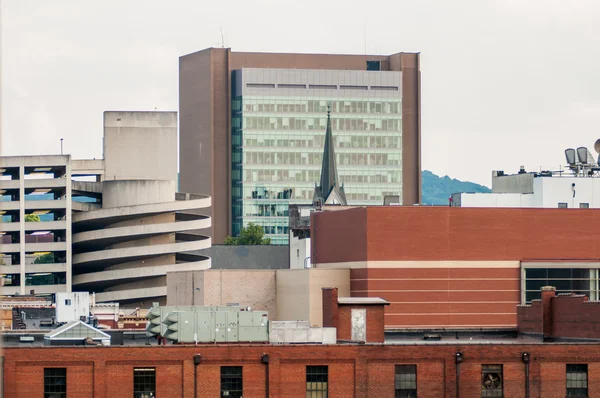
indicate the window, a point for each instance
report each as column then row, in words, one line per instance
column 584, row 205
column 373, row 65
column 577, row 381
column 231, row 381
column 55, row 382
column 316, row 381
column 144, row 383
column 491, row 381
column 67, row 301
column 406, row 381
column 563, row 205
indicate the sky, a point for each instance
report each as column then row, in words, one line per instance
column 504, row 83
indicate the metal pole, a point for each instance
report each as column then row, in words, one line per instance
column 197, row 360
column 61, row 146
column 265, row 359
column 526, row 358
column 459, row 358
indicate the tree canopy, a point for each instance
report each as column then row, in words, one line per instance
column 251, row 235
column 32, row 218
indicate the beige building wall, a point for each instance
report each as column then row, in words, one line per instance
column 288, row 295
column 299, row 295
column 249, row 288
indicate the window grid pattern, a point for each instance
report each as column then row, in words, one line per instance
column 577, row 381
column 406, row 381
column 55, row 382
column 231, row 381
column 277, row 150
column 144, row 383
column 317, row 381
column 492, row 381
column 565, row 280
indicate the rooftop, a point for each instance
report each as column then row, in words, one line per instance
column 362, row 301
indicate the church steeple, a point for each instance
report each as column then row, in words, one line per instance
column 329, row 191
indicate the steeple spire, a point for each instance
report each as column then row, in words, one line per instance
column 329, row 190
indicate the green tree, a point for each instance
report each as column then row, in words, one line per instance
column 251, row 235
column 47, row 258
column 32, row 218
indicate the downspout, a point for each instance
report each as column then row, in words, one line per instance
column 197, row 360
column 459, row 359
column 265, row 360
column 526, row 358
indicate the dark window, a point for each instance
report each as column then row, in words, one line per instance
column 55, row 383
column 584, row 205
column 231, row 381
column 577, row 376
column 67, row 301
column 373, row 65
column 563, row 205
column 491, row 381
column 316, row 381
column 144, row 383
column 406, row 381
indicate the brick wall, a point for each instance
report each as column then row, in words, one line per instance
column 560, row 316
column 340, row 316
column 354, row 370
column 403, row 233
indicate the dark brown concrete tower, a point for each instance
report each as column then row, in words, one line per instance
column 381, row 94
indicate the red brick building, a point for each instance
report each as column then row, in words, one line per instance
column 453, row 268
column 346, row 370
column 355, row 319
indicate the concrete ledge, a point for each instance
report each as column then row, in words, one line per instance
column 126, row 254
column 116, row 214
column 131, row 294
column 139, row 272
column 40, row 289
column 99, row 237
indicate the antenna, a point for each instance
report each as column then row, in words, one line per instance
column 222, row 39
column 61, row 146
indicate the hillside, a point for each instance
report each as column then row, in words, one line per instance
column 436, row 190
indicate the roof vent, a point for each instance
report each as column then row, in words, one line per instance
column 432, row 337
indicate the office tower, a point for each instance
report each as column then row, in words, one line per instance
column 252, row 131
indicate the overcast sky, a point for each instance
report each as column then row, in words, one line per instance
column 504, row 82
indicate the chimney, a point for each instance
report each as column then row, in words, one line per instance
column 330, row 307
column 548, row 293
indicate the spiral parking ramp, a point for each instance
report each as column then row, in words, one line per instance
column 123, row 253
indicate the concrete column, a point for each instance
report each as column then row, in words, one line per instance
column 22, row 226
column 548, row 293
column 69, row 215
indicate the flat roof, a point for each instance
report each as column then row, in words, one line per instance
column 363, row 300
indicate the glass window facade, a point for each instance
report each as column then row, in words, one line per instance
column 577, row 381
column 406, row 381
column 317, row 381
column 565, row 280
column 278, row 134
column 55, row 382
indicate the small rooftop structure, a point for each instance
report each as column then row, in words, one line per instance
column 76, row 333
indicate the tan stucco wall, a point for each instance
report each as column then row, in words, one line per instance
column 299, row 295
column 249, row 288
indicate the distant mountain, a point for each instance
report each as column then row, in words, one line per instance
column 436, row 190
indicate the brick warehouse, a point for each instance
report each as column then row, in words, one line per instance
column 452, row 268
column 352, row 370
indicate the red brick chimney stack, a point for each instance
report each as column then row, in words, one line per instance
column 548, row 293
column 331, row 312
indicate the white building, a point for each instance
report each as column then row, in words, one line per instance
column 549, row 190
